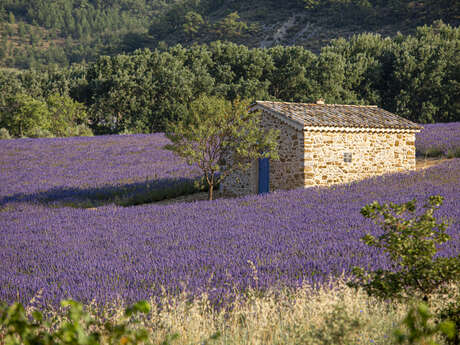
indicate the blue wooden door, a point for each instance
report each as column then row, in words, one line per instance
column 264, row 175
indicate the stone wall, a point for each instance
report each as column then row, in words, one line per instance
column 287, row 173
column 316, row 158
column 372, row 153
column 241, row 182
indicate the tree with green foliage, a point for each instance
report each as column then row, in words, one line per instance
column 231, row 26
column 426, row 74
column 67, row 117
column 193, row 23
column 26, row 116
column 10, row 30
column 21, row 30
column 240, row 71
column 329, row 74
column 368, row 59
column 11, row 18
column 221, row 137
column 411, row 244
column 291, row 78
column 3, row 49
column 137, row 93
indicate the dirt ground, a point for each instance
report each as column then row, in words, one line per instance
column 423, row 163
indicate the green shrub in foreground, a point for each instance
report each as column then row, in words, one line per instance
column 452, row 312
column 418, row 329
column 18, row 329
column 412, row 245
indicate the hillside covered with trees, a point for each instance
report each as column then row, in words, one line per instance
column 416, row 76
column 43, row 32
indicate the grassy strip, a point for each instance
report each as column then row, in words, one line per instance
column 334, row 314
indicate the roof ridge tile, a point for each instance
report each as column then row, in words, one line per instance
column 323, row 105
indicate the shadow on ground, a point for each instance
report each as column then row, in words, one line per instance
column 123, row 195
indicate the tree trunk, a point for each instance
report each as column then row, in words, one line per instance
column 211, row 187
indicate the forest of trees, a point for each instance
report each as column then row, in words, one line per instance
column 43, row 32
column 416, row 76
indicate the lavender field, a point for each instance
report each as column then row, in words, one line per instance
column 439, row 139
column 220, row 247
column 82, row 168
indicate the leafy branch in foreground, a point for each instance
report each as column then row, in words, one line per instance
column 418, row 330
column 412, row 246
column 79, row 328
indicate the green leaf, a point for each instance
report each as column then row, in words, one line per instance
column 448, row 329
column 139, row 307
column 37, row 316
column 411, row 243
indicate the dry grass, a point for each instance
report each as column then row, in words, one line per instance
column 330, row 315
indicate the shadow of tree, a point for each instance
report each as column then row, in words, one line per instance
column 123, row 195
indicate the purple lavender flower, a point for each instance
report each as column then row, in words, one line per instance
column 221, row 247
column 439, row 138
column 87, row 167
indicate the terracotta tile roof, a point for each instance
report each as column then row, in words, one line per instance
column 337, row 115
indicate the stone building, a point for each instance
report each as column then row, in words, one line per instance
column 324, row 144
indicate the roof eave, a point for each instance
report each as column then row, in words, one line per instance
column 360, row 129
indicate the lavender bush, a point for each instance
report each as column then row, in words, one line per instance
column 441, row 139
column 222, row 247
column 79, row 169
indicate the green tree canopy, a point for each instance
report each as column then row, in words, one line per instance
column 193, row 23
column 67, row 117
column 231, row 26
column 26, row 116
column 416, row 76
column 220, row 137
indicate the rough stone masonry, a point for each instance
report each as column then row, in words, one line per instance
column 326, row 155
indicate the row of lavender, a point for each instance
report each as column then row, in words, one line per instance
column 441, row 139
column 221, row 247
column 69, row 168
column 81, row 168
